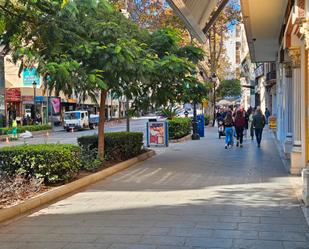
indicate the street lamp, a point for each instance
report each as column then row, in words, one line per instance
column 195, row 135
column 34, row 99
column 214, row 80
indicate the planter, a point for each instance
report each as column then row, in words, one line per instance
column 57, row 192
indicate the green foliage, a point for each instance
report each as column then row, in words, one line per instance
column 88, row 46
column 22, row 129
column 169, row 112
column 118, row 145
column 89, row 159
column 229, row 88
column 52, row 162
column 207, row 119
column 179, row 127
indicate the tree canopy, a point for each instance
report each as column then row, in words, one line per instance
column 87, row 46
column 229, row 88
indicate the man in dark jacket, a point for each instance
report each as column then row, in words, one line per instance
column 259, row 122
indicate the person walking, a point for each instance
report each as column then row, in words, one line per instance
column 259, row 122
column 240, row 123
column 228, row 124
column 14, row 128
column 267, row 114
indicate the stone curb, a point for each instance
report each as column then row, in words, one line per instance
column 52, row 195
column 188, row 137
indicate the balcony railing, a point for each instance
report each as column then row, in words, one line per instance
column 272, row 75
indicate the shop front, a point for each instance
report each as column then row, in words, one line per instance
column 13, row 104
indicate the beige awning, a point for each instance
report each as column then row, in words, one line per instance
column 263, row 20
column 196, row 14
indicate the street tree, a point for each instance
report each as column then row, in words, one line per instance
column 229, row 88
column 99, row 54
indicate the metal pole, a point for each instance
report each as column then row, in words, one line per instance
column 127, row 114
column 214, row 102
column 34, row 100
column 195, row 135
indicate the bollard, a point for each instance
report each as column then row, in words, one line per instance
column 7, row 140
column 72, row 130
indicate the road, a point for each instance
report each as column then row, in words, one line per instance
column 63, row 137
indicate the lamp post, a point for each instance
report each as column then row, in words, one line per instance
column 195, row 135
column 214, row 79
column 34, row 99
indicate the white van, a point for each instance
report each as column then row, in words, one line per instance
column 79, row 120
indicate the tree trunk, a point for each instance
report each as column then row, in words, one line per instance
column 101, row 125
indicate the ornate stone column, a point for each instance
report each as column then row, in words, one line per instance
column 296, row 162
column 288, row 107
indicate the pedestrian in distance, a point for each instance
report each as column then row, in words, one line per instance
column 240, row 124
column 228, row 124
column 14, row 128
column 259, row 122
column 267, row 114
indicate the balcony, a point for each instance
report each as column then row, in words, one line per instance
column 271, row 76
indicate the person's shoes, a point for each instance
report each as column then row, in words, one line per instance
column 237, row 144
column 251, row 138
column 240, row 145
column 259, row 146
column 225, row 147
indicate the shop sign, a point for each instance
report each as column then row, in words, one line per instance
column 72, row 101
column 12, row 95
column 27, row 99
column 30, row 75
column 40, row 99
column 157, row 134
column 54, row 105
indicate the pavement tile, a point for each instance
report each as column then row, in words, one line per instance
column 222, row 225
column 232, row 234
column 284, row 220
column 189, row 232
column 256, row 244
column 295, row 245
column 106, row 238
column 285, row 236
column 87, row 246
column 272, row 227
column 239, row 219
column 163, row 240
column 131, row 246
column 209, row 242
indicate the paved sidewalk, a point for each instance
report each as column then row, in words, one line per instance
column 193, row 195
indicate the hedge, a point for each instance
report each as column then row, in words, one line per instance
column 53, row 162
column 118, row 145
column 22, row 129
column 179, row 127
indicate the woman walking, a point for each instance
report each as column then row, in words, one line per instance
column 240, row 123
column 228, row 124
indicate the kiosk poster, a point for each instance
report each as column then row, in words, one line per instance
column 157, row 134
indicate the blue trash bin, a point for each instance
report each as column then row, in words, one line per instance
column 200, row 125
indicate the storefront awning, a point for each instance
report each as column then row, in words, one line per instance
column 198, row 15
column 263, row 21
